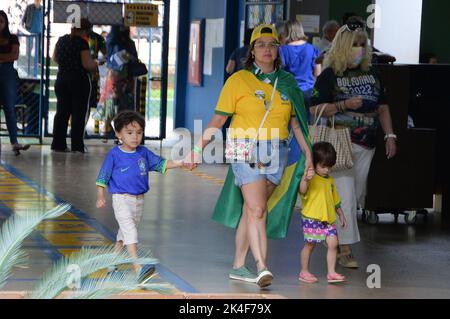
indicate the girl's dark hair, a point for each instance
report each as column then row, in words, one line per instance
column 127, row 117
column 251, row 59
column 6, row 33
column 324, row 154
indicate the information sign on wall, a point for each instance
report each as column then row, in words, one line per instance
column 141, row 14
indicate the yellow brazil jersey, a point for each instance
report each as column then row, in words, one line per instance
column 243, row 97
column 321, row 200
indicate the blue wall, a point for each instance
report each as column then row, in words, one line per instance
column 198, row 103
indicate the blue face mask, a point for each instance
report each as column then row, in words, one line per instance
column 357, row 56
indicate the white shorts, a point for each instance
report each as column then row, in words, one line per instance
column 128, row 210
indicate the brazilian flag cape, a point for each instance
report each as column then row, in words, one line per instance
column 281, row 204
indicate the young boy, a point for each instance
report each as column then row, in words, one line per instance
column 320, row 203
column 125, row 173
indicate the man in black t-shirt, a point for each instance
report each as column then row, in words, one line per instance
column 72, row 87
column 239, row 55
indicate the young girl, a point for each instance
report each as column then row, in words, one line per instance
column 320, row 203
column 125, row 173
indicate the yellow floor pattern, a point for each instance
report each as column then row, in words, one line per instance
column 66, row 234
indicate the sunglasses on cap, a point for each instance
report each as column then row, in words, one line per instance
column 354, row 26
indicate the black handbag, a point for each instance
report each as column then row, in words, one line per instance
column 137, row 68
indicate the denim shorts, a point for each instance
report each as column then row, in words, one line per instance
column 271, row 160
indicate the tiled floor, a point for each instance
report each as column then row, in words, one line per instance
column 195, row 251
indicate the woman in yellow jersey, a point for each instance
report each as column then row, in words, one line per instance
column 245, row 199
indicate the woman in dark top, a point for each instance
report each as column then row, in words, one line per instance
column 118, row 92
column 122, row 82
column 9, row 52
column 72, row 88
column 351, row 90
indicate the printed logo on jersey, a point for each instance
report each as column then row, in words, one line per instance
column 260, row 94
column 142, row 166
column 315, row 93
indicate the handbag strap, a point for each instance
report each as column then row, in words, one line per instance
column 317, row 118
column 268, row 107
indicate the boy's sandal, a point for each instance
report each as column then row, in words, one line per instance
column 335, row 278
column 308, row 278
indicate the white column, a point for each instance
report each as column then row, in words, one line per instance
column 397, row 29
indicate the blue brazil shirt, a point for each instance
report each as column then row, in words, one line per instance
column 127, row 172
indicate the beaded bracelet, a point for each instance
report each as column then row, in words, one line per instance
column 344, row 107
column 339, row 107
column 197, row 149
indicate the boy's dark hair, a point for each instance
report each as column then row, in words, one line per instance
column 127, row 117
column 324, row 154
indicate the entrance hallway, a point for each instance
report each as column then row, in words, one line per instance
column 194, row 251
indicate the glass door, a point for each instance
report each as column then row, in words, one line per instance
column 258, row 12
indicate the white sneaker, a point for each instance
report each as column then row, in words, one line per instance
column 264, row 278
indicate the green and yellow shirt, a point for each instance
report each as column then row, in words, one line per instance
column 321, row 200
column 244, row 98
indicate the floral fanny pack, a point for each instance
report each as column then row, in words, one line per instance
column 240, row 150
column 243, row 150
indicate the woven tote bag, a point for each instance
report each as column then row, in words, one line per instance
column 338, row 137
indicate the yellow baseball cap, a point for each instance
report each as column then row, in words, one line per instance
column 264, row 30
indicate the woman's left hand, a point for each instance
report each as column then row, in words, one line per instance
column 391, row 147
column 192, row 160
column 309, row 163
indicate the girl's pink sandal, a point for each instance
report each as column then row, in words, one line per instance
column 335, row 278
column 308, row 278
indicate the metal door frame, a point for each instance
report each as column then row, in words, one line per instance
column 264, row 2
column 46, row 61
